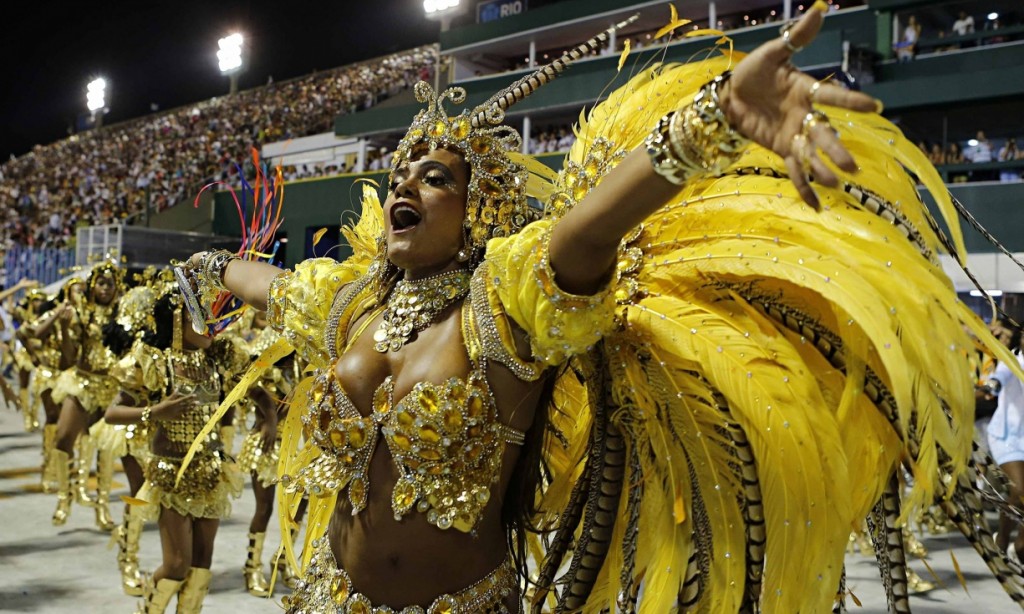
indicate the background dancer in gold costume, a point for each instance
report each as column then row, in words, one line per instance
column 83, row 391
column 44, row 336
column 172, row 387
column 26, row 311
column 259, row 456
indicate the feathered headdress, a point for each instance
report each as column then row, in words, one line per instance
column 496, row 205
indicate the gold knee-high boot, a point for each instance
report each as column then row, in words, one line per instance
column 48, row 476
column 29, row 411
column 158, row 596
column 912, row 544
column 104, row 479
column 193, row 590
column 64, row 466
column 285, row 571
column 916, row 584
column 127, row 535
column 255, row 581
column 80, row 476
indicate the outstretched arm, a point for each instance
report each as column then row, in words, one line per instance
column 123, row 409
column 42, row 327
column 22, row 284
column 248, row 280
column 767, row 100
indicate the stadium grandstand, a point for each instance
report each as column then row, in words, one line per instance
column 328, row 129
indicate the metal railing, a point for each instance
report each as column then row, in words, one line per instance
column 43, row 264
column 96, row 243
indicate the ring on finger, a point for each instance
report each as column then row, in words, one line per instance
column 785, row 31
column 814, row 91
column 811, row 120
column 800, row 146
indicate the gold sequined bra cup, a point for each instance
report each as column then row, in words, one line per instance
column 445, row 438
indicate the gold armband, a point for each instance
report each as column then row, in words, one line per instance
column 696, row 140
column 207, row 277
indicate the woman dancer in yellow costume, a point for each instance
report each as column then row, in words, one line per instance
column 84, row 390
column 43, row 336
column 260, row 451
column 692, row 377
column 25, row 312
column 170, row 384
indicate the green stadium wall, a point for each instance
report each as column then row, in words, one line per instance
column 321, row 203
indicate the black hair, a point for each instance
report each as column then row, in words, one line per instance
column 520, row 505
column 163, row 314
column 116, row 338
column 119, row 340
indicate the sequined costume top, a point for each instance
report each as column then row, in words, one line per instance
column 149, row 375
column 446, row 438
column 276, row 381
column 46, row 350
column 86, row 332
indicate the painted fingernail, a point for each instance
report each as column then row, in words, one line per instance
column 820, row 6
column 879, row 107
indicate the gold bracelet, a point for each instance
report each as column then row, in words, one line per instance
column 145, row 414
column 696, row 140
column 212, row 266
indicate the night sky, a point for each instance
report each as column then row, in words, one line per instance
column 164, row 53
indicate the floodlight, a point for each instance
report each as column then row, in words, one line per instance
column 230, row 53
column 437, row 6
column 95, row 94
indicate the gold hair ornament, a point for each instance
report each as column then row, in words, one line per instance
column 496, row 204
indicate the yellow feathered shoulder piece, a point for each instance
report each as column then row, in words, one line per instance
column 773, row 368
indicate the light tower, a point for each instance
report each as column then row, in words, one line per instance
column 443, row 11
column 96, row 100
column 229, row 56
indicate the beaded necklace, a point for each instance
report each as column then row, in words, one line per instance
column 413, row 306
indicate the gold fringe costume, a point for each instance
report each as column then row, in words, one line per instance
column 206, row 487
column 740, row 396
column 278, row 383
column 45, row 354
column 89, row 381
column 255, row 460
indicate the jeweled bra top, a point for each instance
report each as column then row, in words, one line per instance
column 191, row 373
column 96, row 357
column 446, row 439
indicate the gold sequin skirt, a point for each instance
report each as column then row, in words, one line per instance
column 253, row 460
column 122, row 440
column 22, row 360
column 93, row 390
column 43, row 379
column 205, row 489
column 326, row 587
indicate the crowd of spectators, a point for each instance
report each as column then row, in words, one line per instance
column 979, row 150
column 109, row 175
column 967, row 30
column 698, row 20
column 552, row 139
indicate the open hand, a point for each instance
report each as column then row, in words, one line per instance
column 67, row 313
column 768, row 100
column 173, row 406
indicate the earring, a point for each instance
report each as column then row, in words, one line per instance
column 176, row 339
column 465, row 254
